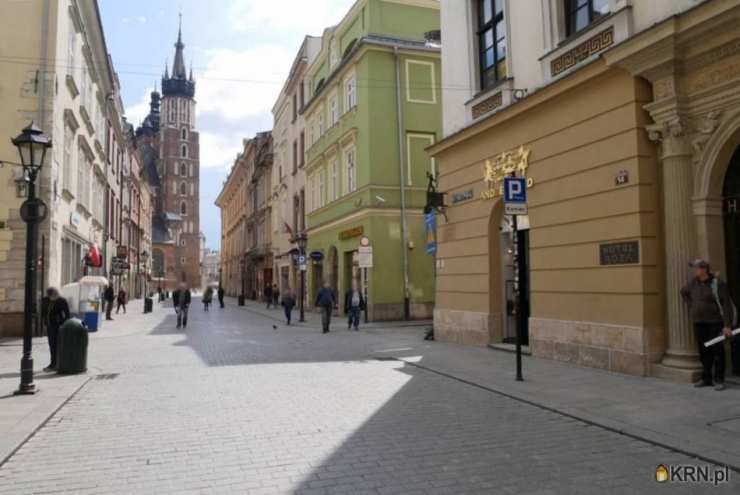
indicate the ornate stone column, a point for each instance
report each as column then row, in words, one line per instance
column 681, row 357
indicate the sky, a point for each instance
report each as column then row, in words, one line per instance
column 241, row 52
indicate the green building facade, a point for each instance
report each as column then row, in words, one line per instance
column 373, row 107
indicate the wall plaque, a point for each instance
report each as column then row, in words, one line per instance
column 488, row 105
column 461, row 196
column 620, row 253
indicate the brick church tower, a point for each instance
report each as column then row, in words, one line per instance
column 176, row 224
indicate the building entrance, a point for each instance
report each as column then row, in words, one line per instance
column 731, row 218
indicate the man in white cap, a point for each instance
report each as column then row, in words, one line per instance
column 711, row 311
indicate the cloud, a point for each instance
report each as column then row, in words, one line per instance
column 242, row 84
column 141, row 19
column 125, row 20
column 136, row 113
column 310, row 17
column 219, row 150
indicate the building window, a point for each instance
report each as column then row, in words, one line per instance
column 295, row 107
column 183, row 261
column 350, row 90
column 184, row 134
column 333, row 180
column 184, row 169
column 295, row 156
column 322, row 110
column 322, row 187
column 67, row 163
column 184, row 151
column 72, row 48
column 183, row 208
column 333, row 110
column 183, row 189
column 302, row 149
column 491, row 42
column 351, row 167
column 580, row 13
column 182, row 243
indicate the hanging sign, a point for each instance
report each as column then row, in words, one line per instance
column 430, row 222
column 365, row 256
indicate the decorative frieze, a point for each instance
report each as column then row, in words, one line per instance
column 583, row 51
column 488, row 105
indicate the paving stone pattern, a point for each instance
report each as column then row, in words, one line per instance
column 232, row 405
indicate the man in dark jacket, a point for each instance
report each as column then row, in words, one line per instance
column 181, row 299
column 108, row 298
column 268, row 295
column 57, row 314
column 326, row 301
column 354, row 303
column 711, row 312
column 288, row 304
column 221, row 296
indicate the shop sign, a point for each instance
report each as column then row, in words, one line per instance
column 316, row 255
column 507, row 164
column 351, row 233
column 122, row 252
column 620, row 253
column 459, row 197
column 430, row 223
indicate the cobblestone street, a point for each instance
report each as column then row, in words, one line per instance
column 238, row 403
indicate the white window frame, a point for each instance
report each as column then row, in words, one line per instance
column 432, row 68
column 322, row 187
column 333, row 179
column 67, row 161
column 333, row 107
column 350, row 92
column 414, row 135
column 350, row 167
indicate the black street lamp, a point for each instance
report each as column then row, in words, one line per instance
column 302, row 240
column 242, row 267
column 32, row 146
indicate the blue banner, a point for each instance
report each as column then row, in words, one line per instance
column 430, row 220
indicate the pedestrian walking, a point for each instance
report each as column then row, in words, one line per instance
column 121, row 300
column 108, row 298
column 207, row 298
column 325, row 301
column 268, row 295
column 288, row 304
column 57, row 314
column 221, row 296
column 181, row 299
column 712, row 313
column 354, row 303
column 275, row 295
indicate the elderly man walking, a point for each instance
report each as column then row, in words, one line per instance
column 712, row 313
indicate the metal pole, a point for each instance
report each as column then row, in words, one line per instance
column 517, row 319
column 402, row 178
column 303, row 282
column 365, row 284
column 29, row 308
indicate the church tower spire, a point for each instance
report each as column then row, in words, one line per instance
column 178, row 68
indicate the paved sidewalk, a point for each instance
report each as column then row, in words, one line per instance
column 699, row 422
column 21, row 416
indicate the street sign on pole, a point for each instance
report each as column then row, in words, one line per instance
column 365, row 256
column 515, row 204
column 515, row 196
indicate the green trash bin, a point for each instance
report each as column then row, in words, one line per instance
column 72, row 348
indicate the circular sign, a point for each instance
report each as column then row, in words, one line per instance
column 301, row 260
column 365, row 241
column 33, row 210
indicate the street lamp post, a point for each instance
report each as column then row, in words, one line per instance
column 302, row 240
column 242, row 295
column 32, row 146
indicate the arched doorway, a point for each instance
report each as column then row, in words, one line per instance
column 731, row 221
column 503, row 276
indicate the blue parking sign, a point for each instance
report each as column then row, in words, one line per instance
column 515, row 189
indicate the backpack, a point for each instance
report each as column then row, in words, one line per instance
column 733, row 308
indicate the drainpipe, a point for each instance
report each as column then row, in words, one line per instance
column 402, row 178
column 43, row 92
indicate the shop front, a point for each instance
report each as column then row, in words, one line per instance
column 589, row 270
column 334, row 259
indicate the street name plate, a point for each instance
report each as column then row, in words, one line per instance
column 620, row 253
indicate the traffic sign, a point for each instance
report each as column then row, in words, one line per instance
column 303, row 267
column 301, row 260
column 515, row 196
column 365, row 256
